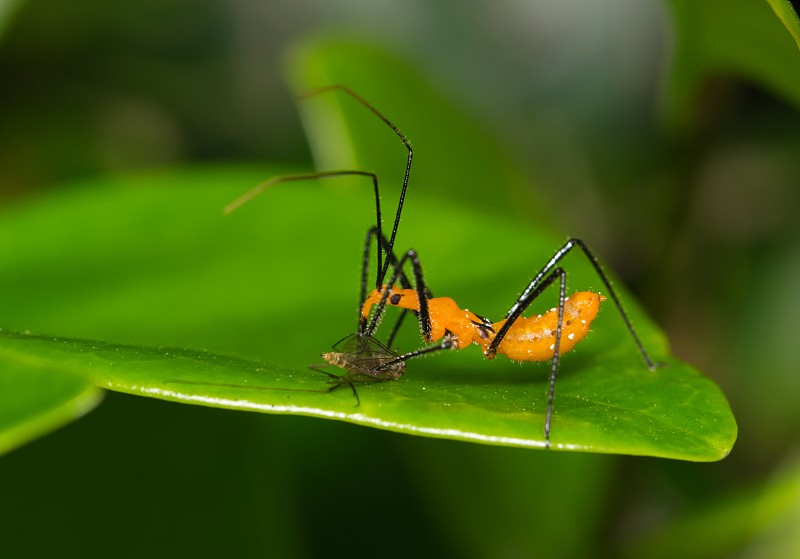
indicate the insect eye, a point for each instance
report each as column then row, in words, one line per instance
column 395, row 299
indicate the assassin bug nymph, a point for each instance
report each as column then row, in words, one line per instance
column 442, row 322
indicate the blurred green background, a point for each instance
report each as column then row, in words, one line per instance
column 667, row 134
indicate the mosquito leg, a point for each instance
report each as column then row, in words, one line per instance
column 337, row 381
column 350, row 384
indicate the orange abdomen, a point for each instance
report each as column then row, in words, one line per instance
column 533, row 338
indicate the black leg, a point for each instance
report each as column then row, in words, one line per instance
column 522, row 304
column 448, row 342
column 383, row 263
column 546, row 276
column 533, row 290
column 401, row 277
column 423, row 294
column 383, row 269
column 556, row 350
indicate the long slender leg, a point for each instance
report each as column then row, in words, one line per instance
column 422, row 293
column 382, row 270
column 556, row 351
column 529, row 297
column 383, row 264
column 520, row 306
column 532, row 290
column 390, row 256
column 538, row 284
column 448, row 342
column 362, row 297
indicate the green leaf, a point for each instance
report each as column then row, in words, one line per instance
column 8, row 8
column 187, row 273
column 742, row 38
column 606, row 407
column 37, row 400
column 788, row 16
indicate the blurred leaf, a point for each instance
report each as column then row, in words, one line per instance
column 7, row 10
column 37, row 400
column 454, row 155
column 754, row 522
column 571, row 490
column 115, row 259
column 742, row 38
column 787, row 14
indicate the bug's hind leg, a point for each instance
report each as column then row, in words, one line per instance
column 551, row 390
column 521, row 304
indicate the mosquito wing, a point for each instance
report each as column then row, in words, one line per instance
column 365, row 356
